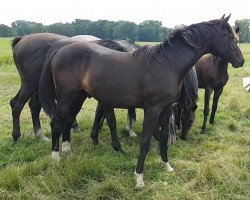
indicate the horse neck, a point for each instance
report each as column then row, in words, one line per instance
column 222, row 66
column 183, row 56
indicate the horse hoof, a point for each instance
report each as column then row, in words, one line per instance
column 139, row 181
column 43, row 138
column 16, row 138
column 184, row 138
column 76, row 130
column 95, row 142
column 117, row 148
column 169, row 168
column 55, row 156
column 211, row 122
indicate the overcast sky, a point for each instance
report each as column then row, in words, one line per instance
column 169, row 12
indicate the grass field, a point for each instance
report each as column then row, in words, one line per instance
column 211, row 166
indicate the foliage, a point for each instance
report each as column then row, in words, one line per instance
column 211, row 166
column 244, row 26
column 146, row 31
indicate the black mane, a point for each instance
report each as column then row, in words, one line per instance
column 111, row 44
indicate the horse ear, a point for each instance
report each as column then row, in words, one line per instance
column 223, row 16
column 225, row 20
column 237, row 30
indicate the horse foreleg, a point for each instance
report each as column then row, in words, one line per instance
column 99, row 114
column 17, row 104
column 217, row 94
column 130, row 118
column 35, row 108
column 208, row 92
column 151, row 115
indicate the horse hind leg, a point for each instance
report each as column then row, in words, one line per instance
column 74, row 110
column 129, row 128
column 99, row 115
column 217, row 94
column 164, row 121
column 17, row 104
column 35, row 108
column 111, row 120
column 75, row 126
column 208, row 92
column 68, row 105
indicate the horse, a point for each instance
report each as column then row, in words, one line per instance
column 30, row 53
column 148, row 78
column 86, row 37
column 212, row 76
column 187, row 105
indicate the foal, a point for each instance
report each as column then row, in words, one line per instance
column 212, row 76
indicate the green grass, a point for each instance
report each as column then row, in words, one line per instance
column 211, row 166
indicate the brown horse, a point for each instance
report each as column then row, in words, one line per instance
column 30, row 53
column 148, row 78
column 212, row 76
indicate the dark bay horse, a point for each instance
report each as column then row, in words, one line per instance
column 148, row 78
column 212, row 76
column 30, row 53
column 187, row 105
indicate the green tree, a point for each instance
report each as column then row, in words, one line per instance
column 244, row 26
column 124, row 30
column 5, row 31
column 81, row 27
column 150, row 30
column 62, row 29
column 21, row 27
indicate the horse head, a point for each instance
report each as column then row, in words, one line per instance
column 225, row 41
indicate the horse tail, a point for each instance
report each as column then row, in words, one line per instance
column 132, row 113
column 47, row 94
column 15, row 41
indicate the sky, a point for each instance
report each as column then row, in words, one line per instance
column 169, row 12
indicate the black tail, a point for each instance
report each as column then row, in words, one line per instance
column 47, row 93
column 132, row 113
column 15, row 41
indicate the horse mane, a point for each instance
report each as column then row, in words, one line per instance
column 15, row 41
column 111, row 44
column 195, row 35
column 149, row 53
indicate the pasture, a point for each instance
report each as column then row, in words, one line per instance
column 211, row 166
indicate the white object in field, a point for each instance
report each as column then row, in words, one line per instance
column 246, row 83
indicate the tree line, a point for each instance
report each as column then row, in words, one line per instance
column 149, row 30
